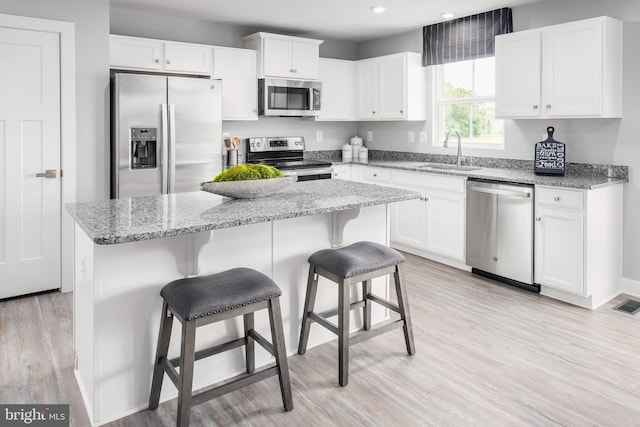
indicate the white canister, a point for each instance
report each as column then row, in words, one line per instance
column 363, row 153
column 356, row 143
column 347, row 153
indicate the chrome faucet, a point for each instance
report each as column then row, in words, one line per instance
column 446, row 145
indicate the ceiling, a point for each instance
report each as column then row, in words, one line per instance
column 348, row 20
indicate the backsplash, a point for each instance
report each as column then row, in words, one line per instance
column 582, row 169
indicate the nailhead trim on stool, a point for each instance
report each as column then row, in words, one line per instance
column 199, row 301
column 359, row 262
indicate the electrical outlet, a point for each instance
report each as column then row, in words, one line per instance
column 423, row 137
column 83, row 267
column 411, row 137
column 319, row 136
column 369, row 136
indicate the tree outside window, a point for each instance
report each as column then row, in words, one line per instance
column 465, row 99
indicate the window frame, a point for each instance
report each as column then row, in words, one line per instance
column 438, row 106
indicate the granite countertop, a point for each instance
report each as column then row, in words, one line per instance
column 109, row 222
column 584, row 179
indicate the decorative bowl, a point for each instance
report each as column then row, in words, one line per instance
column 249, row 189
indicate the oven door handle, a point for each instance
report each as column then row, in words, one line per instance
column 304, row 172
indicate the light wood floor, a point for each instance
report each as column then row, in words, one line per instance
column 487, row 354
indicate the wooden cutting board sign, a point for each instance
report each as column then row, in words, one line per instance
column 550, row 156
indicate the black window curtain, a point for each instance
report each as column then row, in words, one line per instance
column 461, row 39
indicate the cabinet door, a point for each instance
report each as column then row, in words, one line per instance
column 237, row 69
column 408, row 223
column 131, row 52
column 277, row 56
column 445, row 224
column 187, row 58
column 573, row 69
column 305, row 60
column 392, row 87
column 559, row 250
column 518, row 74
column 367, row 88
column 337, row 89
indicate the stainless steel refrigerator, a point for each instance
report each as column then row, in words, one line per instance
column 166, row 133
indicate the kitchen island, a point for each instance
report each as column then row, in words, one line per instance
column 126, row 250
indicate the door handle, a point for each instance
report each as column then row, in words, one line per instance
column 49, row 173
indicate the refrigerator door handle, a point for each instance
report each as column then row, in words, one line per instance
column 165, row 148
column 172, row 148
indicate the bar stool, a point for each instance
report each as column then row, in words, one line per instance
column 199, row 301
column 359, row 262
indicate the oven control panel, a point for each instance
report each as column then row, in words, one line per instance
column 275, row 143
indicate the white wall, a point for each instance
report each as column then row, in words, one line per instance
column 588, row 140
column 91, row 20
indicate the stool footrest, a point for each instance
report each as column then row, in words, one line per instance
column 334, row 312
column 245, row 380
column 384, row 302
column 170, row 369
column 239, row 342
column 364, row 335
column 322, row 321
column 262, row 341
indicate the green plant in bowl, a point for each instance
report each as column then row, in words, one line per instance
column 248, row 182
column 248, row 172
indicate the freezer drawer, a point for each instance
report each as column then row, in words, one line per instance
column 499, row 229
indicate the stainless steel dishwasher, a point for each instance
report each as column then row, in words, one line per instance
column 500, row 232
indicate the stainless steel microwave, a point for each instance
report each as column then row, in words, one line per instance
column 294, row 98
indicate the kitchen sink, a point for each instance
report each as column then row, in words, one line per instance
column 447, row 166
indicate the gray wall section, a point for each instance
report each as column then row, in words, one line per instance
column 91, row 20
column 158, row 26
column 588, row 140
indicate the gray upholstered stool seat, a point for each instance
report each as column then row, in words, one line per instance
column 359, row 262
column 199, row 301
column 356, row 259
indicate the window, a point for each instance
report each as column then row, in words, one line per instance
column 465, row 101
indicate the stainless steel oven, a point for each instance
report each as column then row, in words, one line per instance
column 278, row 97
column 287, row 154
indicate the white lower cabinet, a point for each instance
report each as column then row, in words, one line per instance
column 342, row 172
column 578, row 244
column 433, row 224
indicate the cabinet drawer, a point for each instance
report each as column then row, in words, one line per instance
column 376, row 175
column 429, row 181
column 560, row 198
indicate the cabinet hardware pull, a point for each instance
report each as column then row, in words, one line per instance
column 426, row 199
column 538, row 219
column 168, row 62
column 373, row 111
column 375, row 174
column 548, row 105
column 49, row 173
column 157, row 61
column 401, row 112
column 557, row 198
column 535, row 107
column 495, row 258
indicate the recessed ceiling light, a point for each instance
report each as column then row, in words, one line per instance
column 447, row 15
column 378, row 9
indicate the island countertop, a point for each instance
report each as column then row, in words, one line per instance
column 108, row 222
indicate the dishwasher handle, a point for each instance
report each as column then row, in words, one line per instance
column 506, row 193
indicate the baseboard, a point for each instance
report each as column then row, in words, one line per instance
column 630, row 287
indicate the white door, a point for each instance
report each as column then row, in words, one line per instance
column 392, row 100
column 445, row 225
column 237, row 69
column 29, row 145
column 305, row 60
column 367, row 78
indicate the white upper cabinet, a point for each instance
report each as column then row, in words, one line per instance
column 135, row 53
column 562, row 71
column 392, row 87
column 285, row 56
column 338, row 90
column 237, row 69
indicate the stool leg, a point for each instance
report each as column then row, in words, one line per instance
column 403, row 304
column 309, row 302
column 277, row 337
column 162, row 349
column 250, row 347
column 187, row 356
column 343, row 332
column 366, row 310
